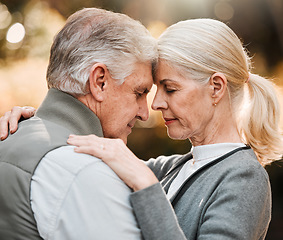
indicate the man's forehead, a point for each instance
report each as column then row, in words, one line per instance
column 141, row 75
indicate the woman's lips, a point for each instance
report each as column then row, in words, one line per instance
column 168, row 121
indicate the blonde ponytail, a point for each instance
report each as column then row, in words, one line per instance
column 259, row 123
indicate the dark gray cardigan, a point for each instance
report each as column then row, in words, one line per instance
column 229, row 199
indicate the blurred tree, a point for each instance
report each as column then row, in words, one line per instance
column 254, row 22
column 66, row 7
column 257, row 22
column 15, row 5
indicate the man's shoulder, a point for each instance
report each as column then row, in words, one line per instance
column 67, row 159
column 68, row 185
column 65, row 165
column 64, row 173
column 34, row 138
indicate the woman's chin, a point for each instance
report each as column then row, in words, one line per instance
column 175, row 135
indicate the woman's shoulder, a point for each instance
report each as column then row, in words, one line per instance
column 244, row 163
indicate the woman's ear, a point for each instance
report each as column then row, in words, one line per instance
column 218, row 82
column 98, row 80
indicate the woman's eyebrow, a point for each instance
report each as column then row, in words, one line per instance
column 164, row 81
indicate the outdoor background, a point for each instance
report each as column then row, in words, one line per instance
column 27, row 28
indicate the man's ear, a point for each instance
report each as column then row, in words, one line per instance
column 98, row 77
column 218, row 83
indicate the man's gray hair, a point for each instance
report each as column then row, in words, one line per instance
column 94, row 36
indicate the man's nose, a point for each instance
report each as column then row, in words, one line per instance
column 143, row 113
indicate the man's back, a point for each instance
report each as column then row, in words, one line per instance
column 71, row 195
column 20, row 154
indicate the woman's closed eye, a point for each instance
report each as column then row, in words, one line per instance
column 169, row 89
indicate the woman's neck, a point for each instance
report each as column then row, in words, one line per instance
column 221, row 129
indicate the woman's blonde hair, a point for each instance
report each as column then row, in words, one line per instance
column 202, row 47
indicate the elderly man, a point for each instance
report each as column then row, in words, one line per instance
column 98, row 77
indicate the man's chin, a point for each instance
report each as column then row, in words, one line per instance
column 125, row 139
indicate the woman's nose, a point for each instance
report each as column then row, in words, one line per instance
column 158, row 102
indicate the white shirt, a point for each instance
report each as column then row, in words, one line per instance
column 202, row 155
column 77, row 196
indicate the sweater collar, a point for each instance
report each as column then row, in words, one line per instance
column 213, row 151
column 64, row 109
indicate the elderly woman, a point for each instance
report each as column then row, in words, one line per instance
column 207, row 94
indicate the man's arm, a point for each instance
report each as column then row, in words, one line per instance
column 80, row 197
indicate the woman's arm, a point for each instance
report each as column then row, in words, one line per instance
column 153, row 211
column 155, row 215
column 11, row 118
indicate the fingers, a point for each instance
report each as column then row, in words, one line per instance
column 90, row 144
column 95, row 151
column 11, row 119
column 4, row 121
column 104, row 148
column 14, row 118
column 118, row 157
column 89, row 141
column 75, row 140
column 78, row 140
column 28, row 111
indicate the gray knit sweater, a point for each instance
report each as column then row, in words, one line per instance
column 227, row 199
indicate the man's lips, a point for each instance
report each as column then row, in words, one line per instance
column 131, row 125
column 169, row 120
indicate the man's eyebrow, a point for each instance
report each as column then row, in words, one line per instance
column 143, row 89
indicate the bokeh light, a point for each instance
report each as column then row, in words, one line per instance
column 156, row 28
column 223, row 11
column 16, row 33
